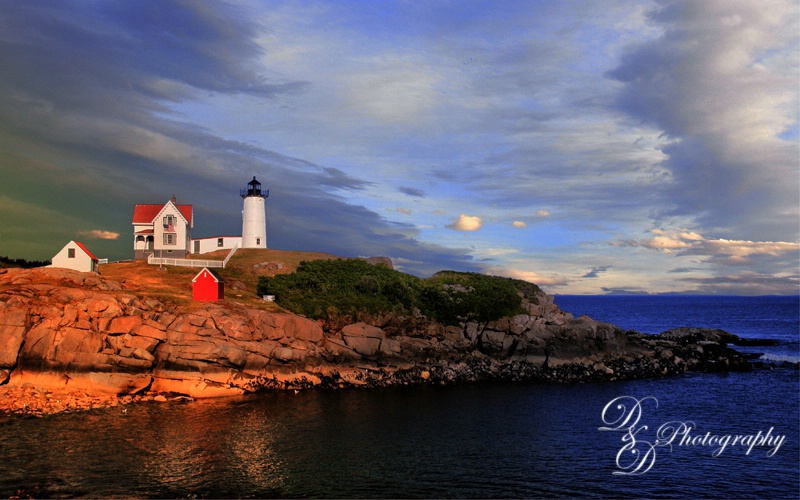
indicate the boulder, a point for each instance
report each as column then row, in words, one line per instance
column 11, row 338
column 284, row 354
column 366, row 346
column 390, row 347
column 152, row 330
column 363, row 330
column 124, row 324
column 363, row 338
column 339, row 350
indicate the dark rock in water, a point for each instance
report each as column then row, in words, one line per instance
column 695, row 335
column 755, row 342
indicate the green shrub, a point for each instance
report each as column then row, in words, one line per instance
column 463, row 297
column 352, row 289
column 344, row 287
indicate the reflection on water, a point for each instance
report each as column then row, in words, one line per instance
column 157, row 450
column 193, row 446
column 484, row 440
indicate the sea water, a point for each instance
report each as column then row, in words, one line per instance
column 478, row 440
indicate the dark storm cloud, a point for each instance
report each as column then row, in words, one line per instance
column 86, row 131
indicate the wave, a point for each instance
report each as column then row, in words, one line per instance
column 780, row 358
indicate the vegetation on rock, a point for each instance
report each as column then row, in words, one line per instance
column 453, row 297
column 354, row 289
column 25, row 264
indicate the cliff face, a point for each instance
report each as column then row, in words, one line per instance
column 65, row 329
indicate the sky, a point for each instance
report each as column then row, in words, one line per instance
column 590, row 147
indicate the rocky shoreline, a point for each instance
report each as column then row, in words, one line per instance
column 80, row 338
column 40, row 401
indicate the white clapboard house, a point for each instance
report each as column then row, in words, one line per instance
column 162, row 230
column 75, row 256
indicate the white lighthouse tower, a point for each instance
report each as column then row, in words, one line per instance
column 254, row 217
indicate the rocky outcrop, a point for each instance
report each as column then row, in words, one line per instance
column 65, row 329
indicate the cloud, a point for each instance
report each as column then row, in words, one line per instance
column 595, row 272
column 99, row 234
column 396, row 89
column 496, row 252
column 680, row 270
column 623, row 291
column 720, row 81
column 338, row 179
column 519, row 223
column 94, row 115
column 668, row 242
column 466, row 223
column 746, row 283
column 722, row 251
column 417, row 193
column 614, row 120
column 553, row 280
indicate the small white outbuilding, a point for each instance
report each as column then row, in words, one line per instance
column 76, row 256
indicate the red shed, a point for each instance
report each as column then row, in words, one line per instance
column 208, row 285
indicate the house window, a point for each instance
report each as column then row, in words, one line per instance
column 70, row 253
column 219, row 242
column 169, row 239
column 258, row 241
column 169, row 222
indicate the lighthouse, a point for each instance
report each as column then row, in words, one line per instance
column 254, row 217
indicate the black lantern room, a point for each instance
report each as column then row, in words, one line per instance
column 253, row 189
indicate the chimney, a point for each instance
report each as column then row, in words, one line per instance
column 173, row 198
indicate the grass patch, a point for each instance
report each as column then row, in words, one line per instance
column 173, row 284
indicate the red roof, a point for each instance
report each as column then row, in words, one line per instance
column 86, row 250
column 146, row 213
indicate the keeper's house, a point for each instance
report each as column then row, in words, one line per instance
column 164, row 230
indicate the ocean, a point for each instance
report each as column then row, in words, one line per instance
column 698, row 435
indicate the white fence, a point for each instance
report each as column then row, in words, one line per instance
column 160, row 261
column 230, row 254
